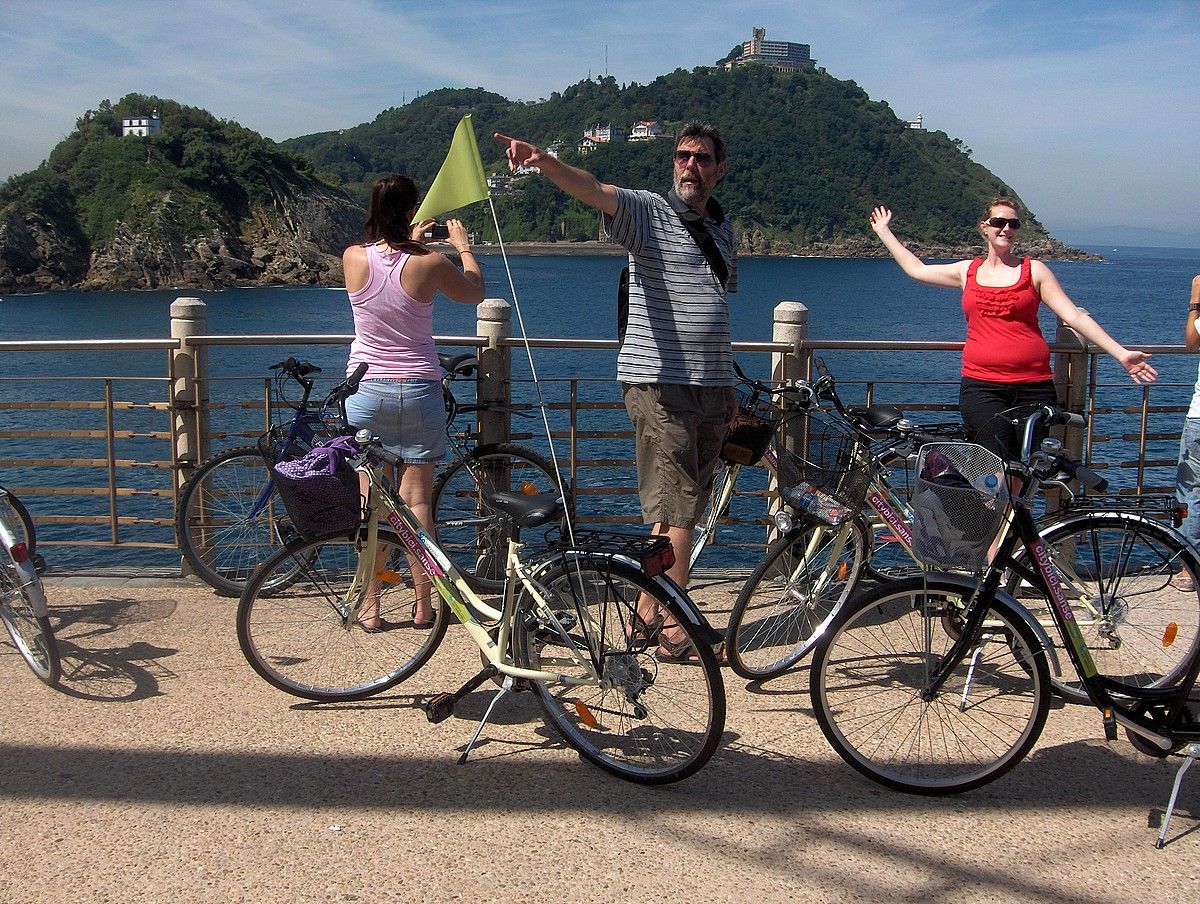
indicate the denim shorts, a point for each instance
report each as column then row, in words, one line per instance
column 408, row 415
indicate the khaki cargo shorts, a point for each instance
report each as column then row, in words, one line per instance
column 678, row 432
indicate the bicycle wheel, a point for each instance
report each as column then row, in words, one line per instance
column 303, row 639
column 1122, row 574
column 868, row 684
column 789, row 599
column 471, row 534
column 21, row 599
column 230, row 520
column 648, row 721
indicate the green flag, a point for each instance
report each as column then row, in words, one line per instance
column 460, row 181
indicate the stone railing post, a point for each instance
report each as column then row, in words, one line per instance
column 790, row 325
column 493, row 322
column 189, row 387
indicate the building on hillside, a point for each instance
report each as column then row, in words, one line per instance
column 555, row 147
column 782, row 55
column 918, row 123
column 602, row 134
column 647, row 130
column 586, row 145
column 141, row 125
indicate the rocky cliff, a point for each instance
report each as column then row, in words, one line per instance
column 295, row 239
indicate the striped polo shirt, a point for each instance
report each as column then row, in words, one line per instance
column 678, row 329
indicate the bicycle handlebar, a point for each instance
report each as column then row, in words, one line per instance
column 800, row 395
column 342, row 391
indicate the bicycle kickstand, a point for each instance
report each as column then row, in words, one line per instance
column 1192, row 754
column 442, row 706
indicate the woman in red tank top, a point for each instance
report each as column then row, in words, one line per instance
column 1006, row 361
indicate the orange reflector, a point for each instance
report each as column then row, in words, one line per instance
column 586, row 714
column 1170, row 632
column 843, row 570
column 389, row 577
column 528, row 489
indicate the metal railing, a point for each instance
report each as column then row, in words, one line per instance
column 100, row 462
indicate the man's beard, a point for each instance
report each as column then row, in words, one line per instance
column 689, row 192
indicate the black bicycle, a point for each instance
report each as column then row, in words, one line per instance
column 941, row 683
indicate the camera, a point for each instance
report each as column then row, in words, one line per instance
column 437, row 231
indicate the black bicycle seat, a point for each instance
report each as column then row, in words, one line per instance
column 459, row 365
column 877, row 417
column 527, row 511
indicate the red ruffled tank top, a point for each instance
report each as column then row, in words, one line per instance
column 1004, row 341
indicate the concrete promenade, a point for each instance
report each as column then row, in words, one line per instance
column 163, row 769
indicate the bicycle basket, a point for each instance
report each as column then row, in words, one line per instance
column 320, row 490
column 959, row 501
column 751, row 431
column 824, row 468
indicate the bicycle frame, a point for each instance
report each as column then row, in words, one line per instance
column 1121, row 703
column 453, row 588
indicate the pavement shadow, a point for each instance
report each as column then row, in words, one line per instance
column 123, row 673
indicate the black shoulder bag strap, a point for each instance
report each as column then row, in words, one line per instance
column 694, row 223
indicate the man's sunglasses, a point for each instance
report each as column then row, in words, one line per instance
column 703, row 159
column 1001, row 222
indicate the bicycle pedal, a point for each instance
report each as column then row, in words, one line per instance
column 440, row 708
column 1110, row 725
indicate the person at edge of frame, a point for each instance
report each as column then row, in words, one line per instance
column 1187, row 476
column 675, row 364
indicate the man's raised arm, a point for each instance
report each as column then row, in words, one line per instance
column 577, row 183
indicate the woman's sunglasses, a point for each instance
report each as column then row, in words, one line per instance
column 1001, row 222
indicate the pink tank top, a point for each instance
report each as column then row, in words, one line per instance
column 393, row 332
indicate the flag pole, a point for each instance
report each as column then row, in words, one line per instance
column 537, row 386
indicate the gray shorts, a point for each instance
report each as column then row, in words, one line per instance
column 678, row 431
column 409, row 415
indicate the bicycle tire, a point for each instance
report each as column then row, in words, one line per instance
column 31, row 633
column 1122, row 573
column 650, row 721
column 792, row 595
column 868, row 679
column 296, row 638
column 223, row 530
column 471, row 535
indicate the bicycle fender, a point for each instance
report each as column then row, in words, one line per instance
column 1127, row 517
column 689, row 610
column 1008, row 601
column 28, row 579
column 687, row 607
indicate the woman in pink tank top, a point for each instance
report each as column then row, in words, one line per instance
column 1006, row 361
column 392, row 279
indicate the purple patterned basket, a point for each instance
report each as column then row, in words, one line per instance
column 320, row 491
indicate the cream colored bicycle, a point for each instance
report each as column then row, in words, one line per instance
column 566, row 625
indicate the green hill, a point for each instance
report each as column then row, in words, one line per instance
column 202, row 203
column 810, row 155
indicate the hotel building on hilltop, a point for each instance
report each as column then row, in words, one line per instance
column 782, row 55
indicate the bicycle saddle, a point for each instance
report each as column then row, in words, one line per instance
column 527, row 511
column 459, row 365
column 877, row 417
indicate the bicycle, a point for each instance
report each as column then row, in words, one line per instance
column 23, row 606
column 229, row 518
column 837, row 471
column 470, row 532
column 941, row 683
column 566, row 626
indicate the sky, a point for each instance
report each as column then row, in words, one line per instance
column 1089, row 110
